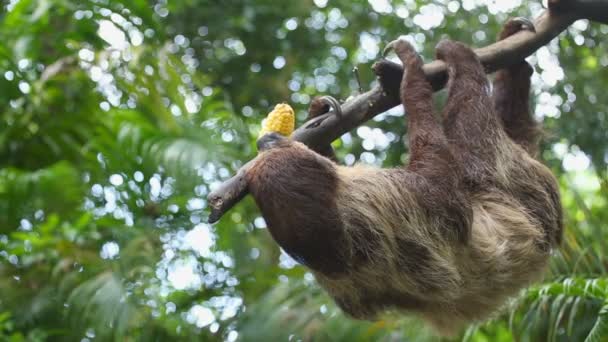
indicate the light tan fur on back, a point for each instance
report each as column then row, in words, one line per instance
column 461, row 282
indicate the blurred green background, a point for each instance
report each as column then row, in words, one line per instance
column 117, row 117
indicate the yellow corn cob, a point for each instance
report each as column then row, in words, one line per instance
column 281, row 120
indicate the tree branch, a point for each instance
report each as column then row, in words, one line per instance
column 595, row 10
column 322, row 130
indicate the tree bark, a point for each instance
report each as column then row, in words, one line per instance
column 595, row 10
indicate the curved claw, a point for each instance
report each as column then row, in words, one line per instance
column 388, row 48
column 333, row 104
column 404, row 50
column 525, row 23
column 398, row 45
column 320, row 106
column 515, row 25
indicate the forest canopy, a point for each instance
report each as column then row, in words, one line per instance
column 118, row 118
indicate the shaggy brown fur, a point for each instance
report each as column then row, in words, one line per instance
column 469, row 222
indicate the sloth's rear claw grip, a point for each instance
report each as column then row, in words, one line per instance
column 322, row 105
column 515, row 25
column 332, row 104
column 525, row 23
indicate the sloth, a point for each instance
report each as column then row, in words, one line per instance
column 469, row 221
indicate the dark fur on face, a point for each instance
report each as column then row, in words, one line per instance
column 466, row 224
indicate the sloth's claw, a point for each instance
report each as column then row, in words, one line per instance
column 332, row 104
column 515, row 25
column 388, row 48
column 321, row 105
column 525, row 23
column 404, row 50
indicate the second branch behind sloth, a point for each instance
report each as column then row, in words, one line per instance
column 469, row 221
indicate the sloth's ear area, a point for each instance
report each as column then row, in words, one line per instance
column 272, row 140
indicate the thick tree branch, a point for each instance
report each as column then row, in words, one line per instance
column 596, row 10
column 321, row 131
